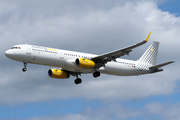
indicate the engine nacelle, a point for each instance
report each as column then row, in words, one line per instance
column 57, row 73
column 84, row 63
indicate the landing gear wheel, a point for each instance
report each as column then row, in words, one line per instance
column 25, row 65
column 78, row 81
column 24, row 69
column 96, row 74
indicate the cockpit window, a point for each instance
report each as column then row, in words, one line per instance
column 15, row 48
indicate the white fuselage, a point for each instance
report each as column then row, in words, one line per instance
column 66, row 60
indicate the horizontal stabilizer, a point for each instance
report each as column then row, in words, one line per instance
column 160, row 65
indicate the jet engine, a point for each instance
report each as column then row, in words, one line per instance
column 57, row 73
column 84, row 63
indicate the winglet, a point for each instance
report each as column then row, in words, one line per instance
column 148, row 37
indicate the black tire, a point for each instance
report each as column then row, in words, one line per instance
column 24, row 69
column 78, row 81
column 96, row 74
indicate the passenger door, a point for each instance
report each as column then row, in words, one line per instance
column 61, row 54
column 28, row 49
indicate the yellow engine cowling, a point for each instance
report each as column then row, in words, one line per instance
column 84, row 63
column 57, row 73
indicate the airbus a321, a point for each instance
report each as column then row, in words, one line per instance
column 70, row 63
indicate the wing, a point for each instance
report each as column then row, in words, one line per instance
column 101, row 60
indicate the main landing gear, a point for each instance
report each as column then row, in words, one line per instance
column 78, row 80
column 96, row 74
column 25, row 65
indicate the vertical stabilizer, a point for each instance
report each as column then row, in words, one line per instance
column 151, row 54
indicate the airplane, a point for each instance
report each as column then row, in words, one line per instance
column 78, row 63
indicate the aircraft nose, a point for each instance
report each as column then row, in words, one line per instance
column 8, row 53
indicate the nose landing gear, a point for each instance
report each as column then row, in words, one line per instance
column 25, row 65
